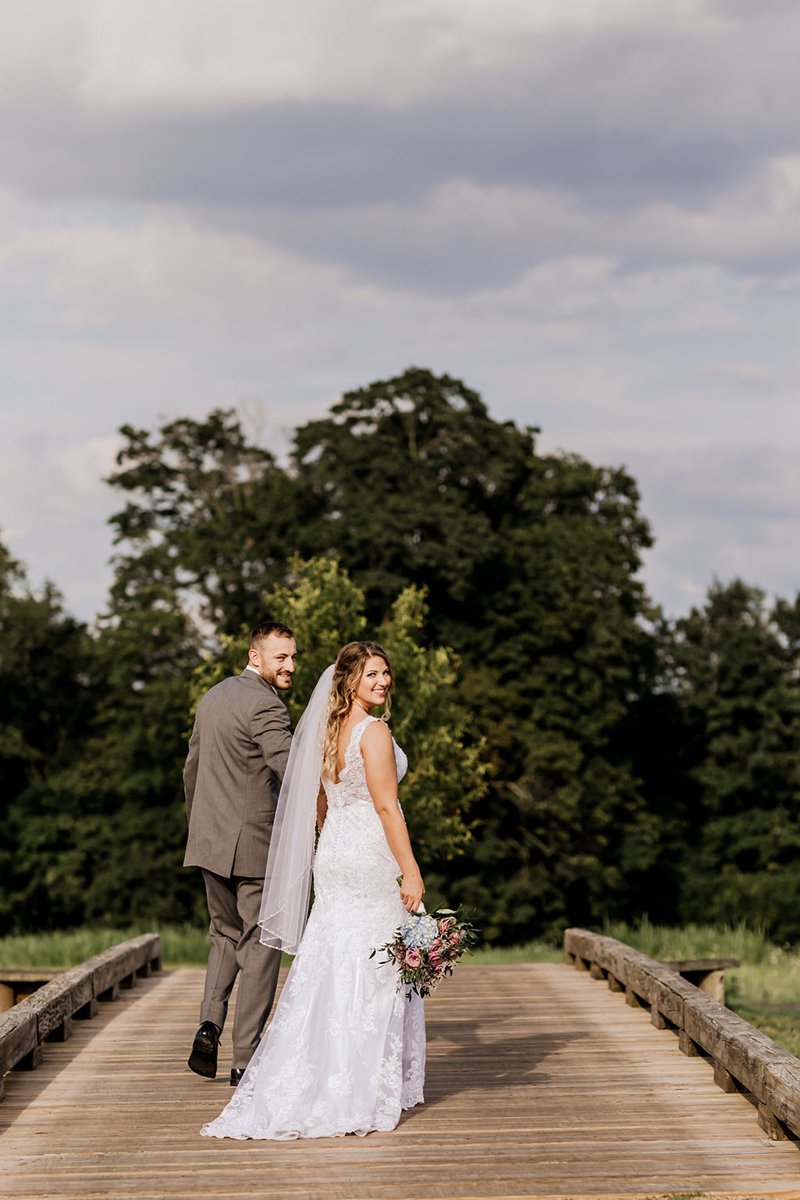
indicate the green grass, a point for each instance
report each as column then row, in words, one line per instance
column 535, row 952
column 693, row 941
column 782, row 1027
column 181, row 945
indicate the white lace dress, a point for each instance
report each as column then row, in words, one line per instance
column 345, row 1051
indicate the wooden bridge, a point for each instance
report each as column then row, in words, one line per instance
column 542, row 1082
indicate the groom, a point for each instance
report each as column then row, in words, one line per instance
column 236, row 761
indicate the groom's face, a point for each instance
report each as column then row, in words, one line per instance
column 275, row 658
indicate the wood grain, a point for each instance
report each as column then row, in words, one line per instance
column 541, row 1083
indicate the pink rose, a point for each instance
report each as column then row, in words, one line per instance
column 446, row 923
column 435, row 961
column 455, row 937
column 413, row 959
column 435, row 946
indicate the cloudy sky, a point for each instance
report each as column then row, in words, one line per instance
column 589, row 210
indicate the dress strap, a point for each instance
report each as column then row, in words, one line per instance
column 358, row 732
column 354, row 742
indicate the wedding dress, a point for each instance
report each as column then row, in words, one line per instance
column 345, row 1052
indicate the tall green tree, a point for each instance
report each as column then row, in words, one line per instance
column 736, row 672
column 567, row 659
column 208, row 516
column 102, row 836
column 145, row 652
column 573, row 755
column 325, row 609
column 529, row 564
column 46, row 706
column 410, row 480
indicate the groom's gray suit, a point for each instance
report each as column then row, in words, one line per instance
column 237, row 757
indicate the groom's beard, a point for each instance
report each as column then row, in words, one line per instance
column 281, row 680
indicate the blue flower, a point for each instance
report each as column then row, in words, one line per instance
column 418, row 931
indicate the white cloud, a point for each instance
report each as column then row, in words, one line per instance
column 590, row 211
column 56, row 486
column 713, row 316
column 163, row 273
column 751, row 376
column 464, row 233
column 721, row 511
column 197, row 53
column 84, row 467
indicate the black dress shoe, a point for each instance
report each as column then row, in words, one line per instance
column 236, row 1075
column 203, row 1059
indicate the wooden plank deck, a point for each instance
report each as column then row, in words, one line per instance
column 541, row 1083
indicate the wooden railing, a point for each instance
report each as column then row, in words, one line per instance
column 706, row 973
column 743, row 1058
column 47, row 1015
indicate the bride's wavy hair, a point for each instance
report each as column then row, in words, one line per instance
column 347, row 672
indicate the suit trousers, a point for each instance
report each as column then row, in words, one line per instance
column 233, row 905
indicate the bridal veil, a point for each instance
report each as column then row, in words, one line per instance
column 287, row 886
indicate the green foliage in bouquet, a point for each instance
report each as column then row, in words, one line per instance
column 427, row 947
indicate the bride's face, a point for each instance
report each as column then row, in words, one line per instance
column 374, row 683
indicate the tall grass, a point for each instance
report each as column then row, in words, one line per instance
column 181, row 945
column 530, row 952
column 666, row 942
column 769, row 974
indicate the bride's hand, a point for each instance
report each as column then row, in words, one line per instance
column 412, row 889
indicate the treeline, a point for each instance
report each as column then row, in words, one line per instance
column 576, row 756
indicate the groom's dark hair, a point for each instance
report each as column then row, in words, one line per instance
column 259, row 632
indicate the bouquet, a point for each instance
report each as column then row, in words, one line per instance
column 427, row 947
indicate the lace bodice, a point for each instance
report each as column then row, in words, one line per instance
column 351, row 787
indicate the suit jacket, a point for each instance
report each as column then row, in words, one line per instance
column 236, row 761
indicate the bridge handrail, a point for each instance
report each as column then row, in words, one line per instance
column 744, row 1058
column 47, row 1015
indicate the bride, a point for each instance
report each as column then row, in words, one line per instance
column 345, row 1052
